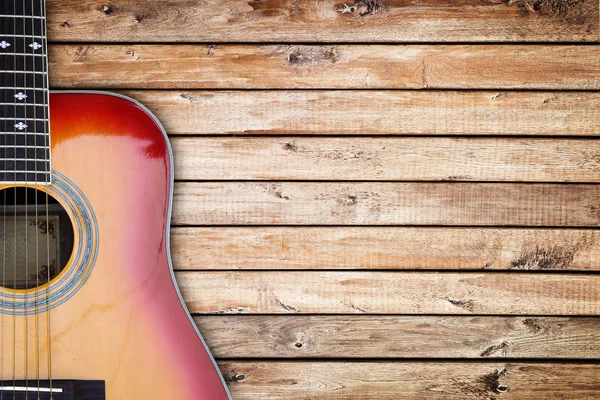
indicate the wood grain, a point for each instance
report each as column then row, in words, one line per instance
column 388, row 248
column 388, row 337
column 305, row 21
column 508, row 272
column 335, row 203
column 389, row 159
column 386, row 112
column 337, row 292
column 410, row 380
column 325, row 66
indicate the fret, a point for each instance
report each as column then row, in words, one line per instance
column 22, row 68
column 18, row 119
column 20, row 113
column 6, row 146
column 39, row 104
column 27, row 90
column 21, row 72
column 20, row 55
column 26, row 119
column 29, row 8
column 25, row 177
column 21, row 36
column 11, row 172
column 23, row 121
column 20, row 16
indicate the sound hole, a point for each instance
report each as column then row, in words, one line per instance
column 36, row 238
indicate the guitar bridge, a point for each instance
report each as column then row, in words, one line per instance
column 59, row 390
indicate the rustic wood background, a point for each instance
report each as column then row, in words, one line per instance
column 385, row 199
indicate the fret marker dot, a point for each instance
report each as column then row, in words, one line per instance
column 20, row 126
column 35, row 45
column 20, row 96
column 4, row 44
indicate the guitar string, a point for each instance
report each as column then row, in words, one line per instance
column 26, row 192
column 4, row 123
column 36, row 230
column 14, row 369
column 47, row 169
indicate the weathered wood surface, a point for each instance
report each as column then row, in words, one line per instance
column 389, row 159
column 386, row 203
column 305, row 21
column 386, row 112
column 383, row 337
column 325, row 66
column 389, row 248
column 380, row 290
column 249, row 380
column 341, row 292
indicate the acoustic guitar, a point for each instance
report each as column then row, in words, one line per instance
column 89, row 307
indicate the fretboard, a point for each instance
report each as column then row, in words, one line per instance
column 24, row 109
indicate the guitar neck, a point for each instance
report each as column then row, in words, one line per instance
column 24, row 107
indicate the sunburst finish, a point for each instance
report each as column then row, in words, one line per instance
column 125, row 324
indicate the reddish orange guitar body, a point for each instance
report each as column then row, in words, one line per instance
column 120, row 318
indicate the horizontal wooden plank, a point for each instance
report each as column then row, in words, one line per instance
column 329, row 21
column 325, row 66
column 302, row 336
column 334, row 203
column 388, row 159
column 390, row 248
column 385, row 112
column 410, row 380
column 337, row 292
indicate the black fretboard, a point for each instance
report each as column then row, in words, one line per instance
column 24, row 110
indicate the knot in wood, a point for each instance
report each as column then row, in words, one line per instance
column 107, row 9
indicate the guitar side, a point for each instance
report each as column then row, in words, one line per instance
column 126, row 324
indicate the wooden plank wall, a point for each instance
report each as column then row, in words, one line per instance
column 380, row 199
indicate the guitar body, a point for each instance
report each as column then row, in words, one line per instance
column 121, row 320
